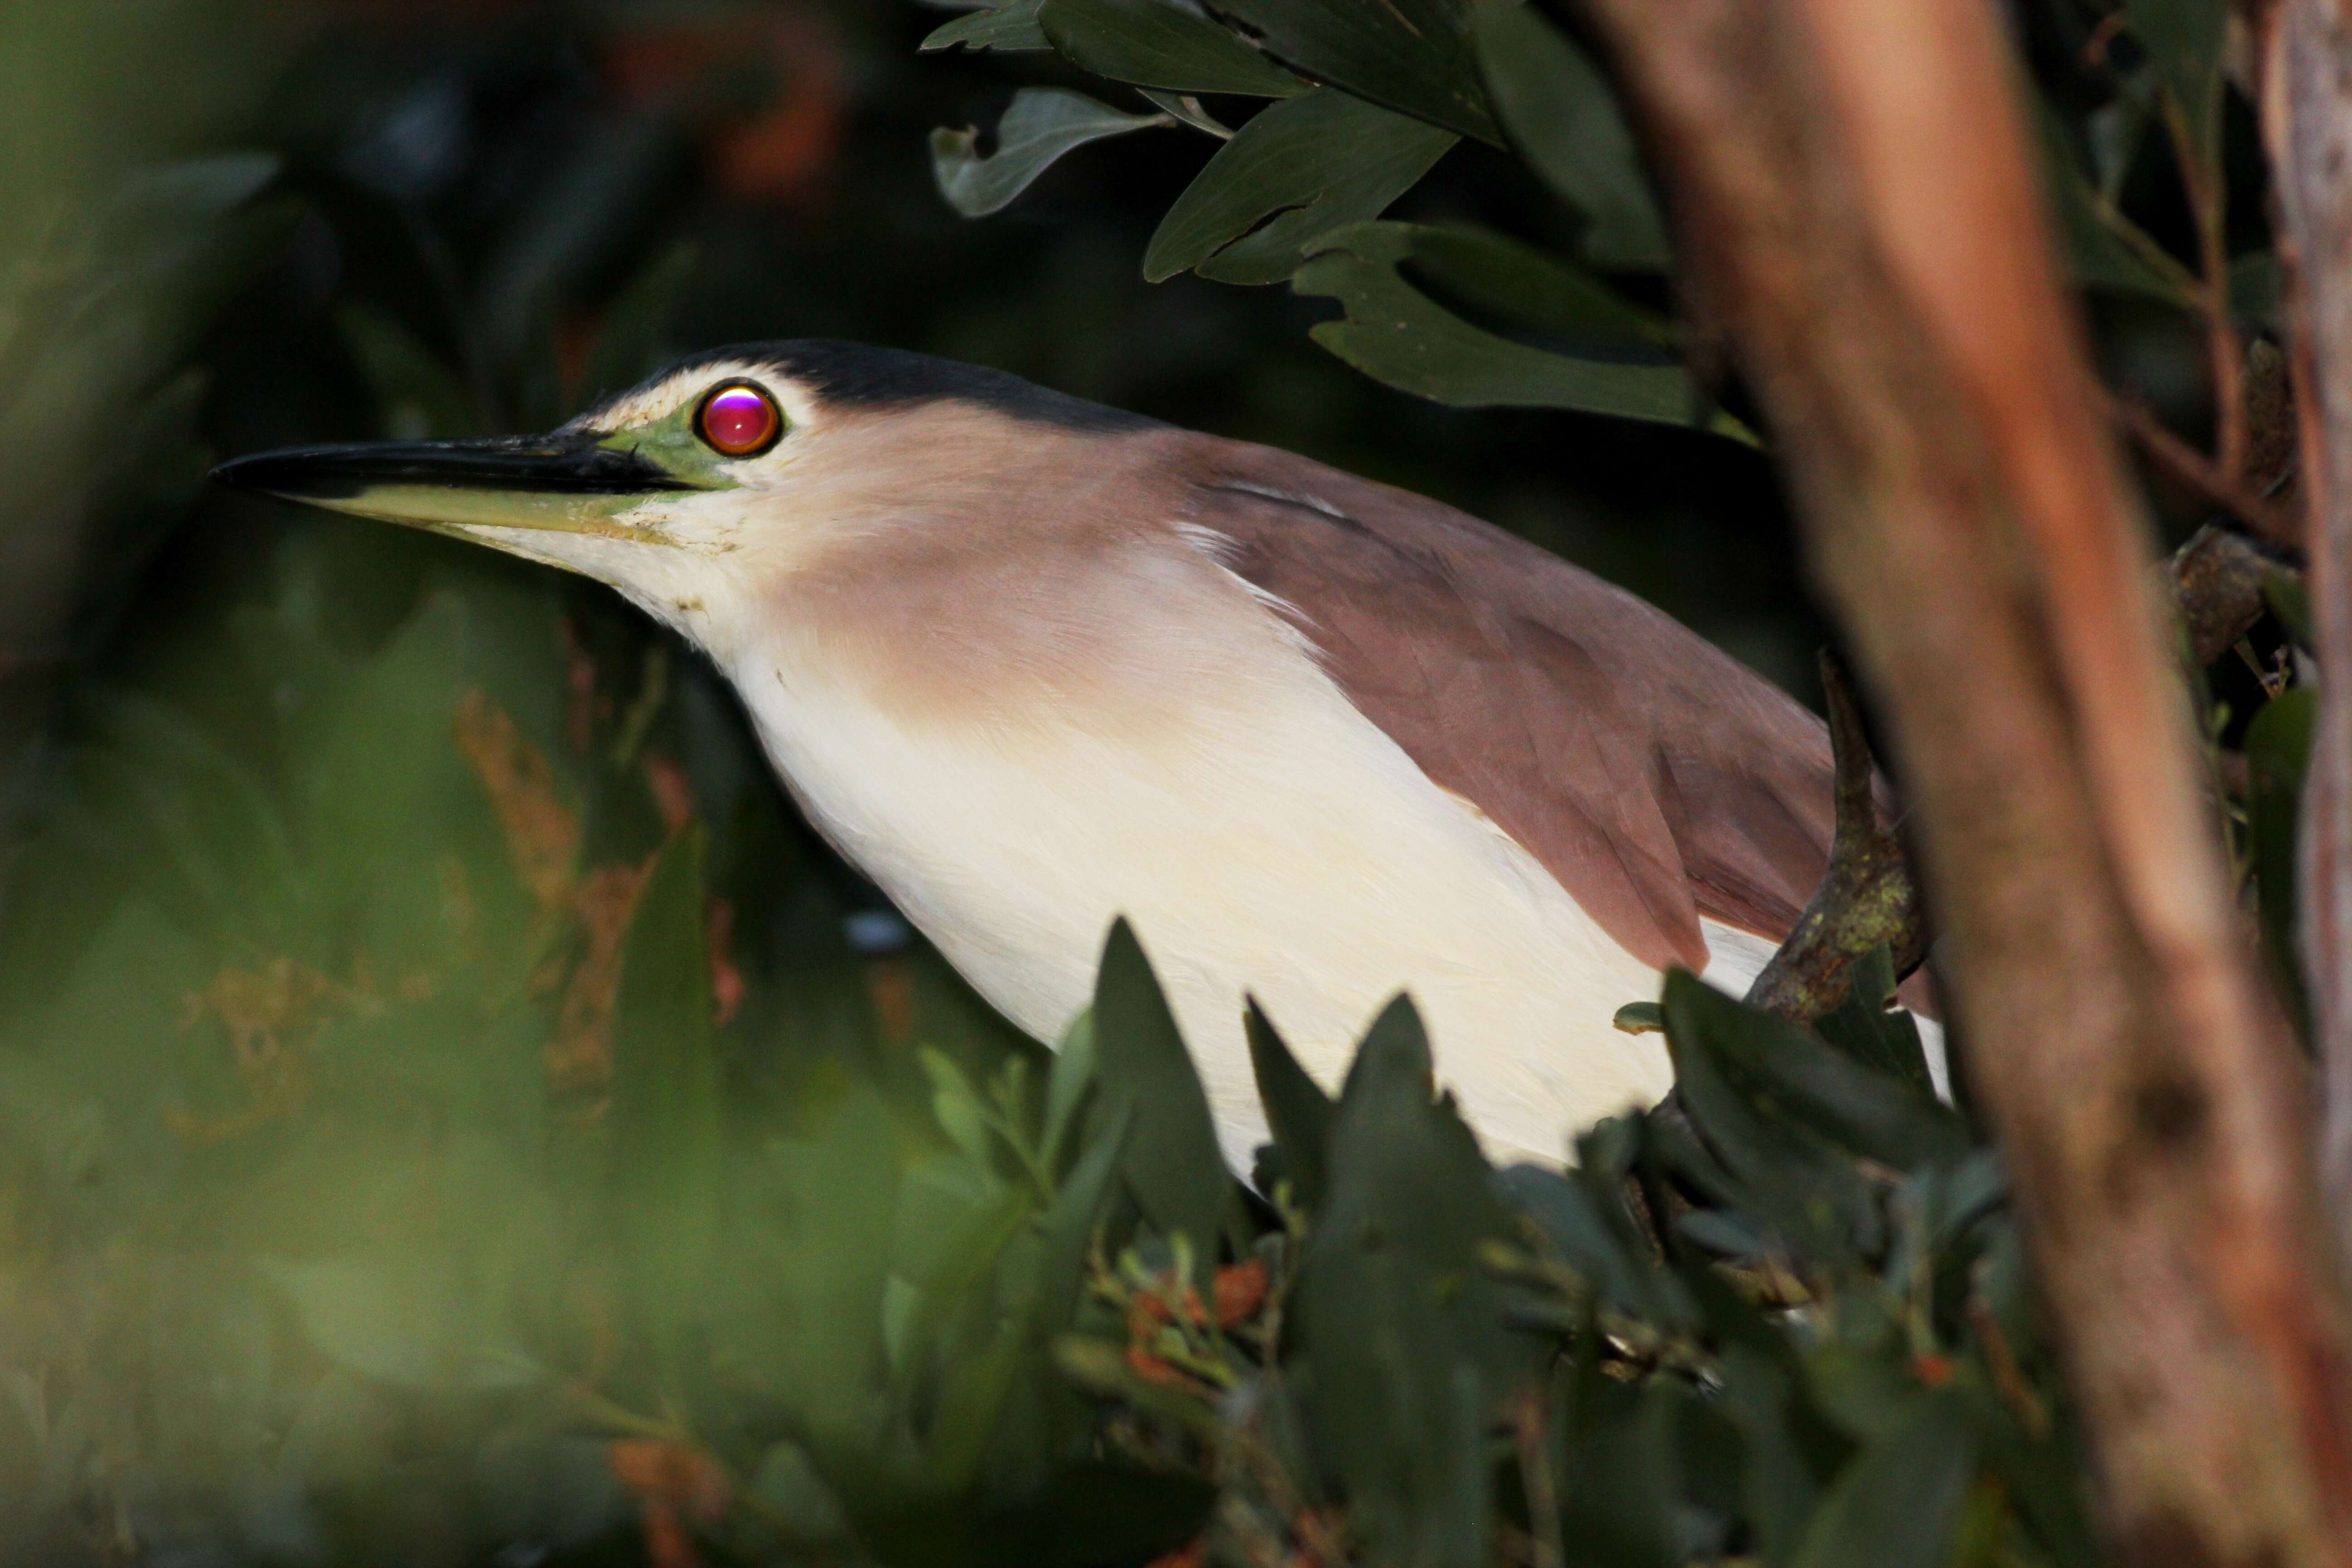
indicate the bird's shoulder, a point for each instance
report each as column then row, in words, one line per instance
column 1657, row 778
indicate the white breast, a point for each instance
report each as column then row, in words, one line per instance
column 1262, row 837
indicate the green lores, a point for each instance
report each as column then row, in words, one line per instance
column 569, row 482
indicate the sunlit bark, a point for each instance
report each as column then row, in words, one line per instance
column 1860, row 223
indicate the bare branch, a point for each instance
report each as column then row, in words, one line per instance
column 2225, row 360
column 1865, row 901
column 2208, row 476
column 1867, row 897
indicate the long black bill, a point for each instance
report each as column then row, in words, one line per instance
column 539, row 465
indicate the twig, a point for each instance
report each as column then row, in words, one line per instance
column 2008, row 1378
column 1866, row 900
column 2201, row 181
column 1534, row 1478
column 2185, row 284
column 1186, row 109
column 1867, row 897
column 1248, row 1532
column 2274, row 522
column 2111, row 27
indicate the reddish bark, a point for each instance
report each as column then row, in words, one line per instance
column 1858, row 220
column 2305, row 85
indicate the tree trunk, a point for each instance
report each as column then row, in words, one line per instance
column 1858, row 218
column 2305, row 85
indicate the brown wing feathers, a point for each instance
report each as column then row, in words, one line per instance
column 1654, row 776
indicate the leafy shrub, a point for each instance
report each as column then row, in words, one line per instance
column 434, row 1217
column 1343, row 110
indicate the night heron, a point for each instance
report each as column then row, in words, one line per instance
column 1032, row 664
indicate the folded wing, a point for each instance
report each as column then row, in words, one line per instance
column 1658, row 779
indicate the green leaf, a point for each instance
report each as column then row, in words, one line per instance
column 2284, row 593
column 788, row 1487
column 2109, row 252
column 944, row 1298
column 410, row 1321
column 1865, row 1029
column 1784, row 1173
column 2278, row 754
column 1406, row 1347
column 1897, row 1504
column 1640, row 1018
column 1412, row 55
column 1070, row 1224
column 1606, row 1156
column 1041, row 1420
column 2257, row 288
column 975, row 1391
column 1171, row 1161
column 1301, row 168
column 1624, row 1475
column 1761, row 1398
column 814, row 1275
column 1187, row 111
column 1153, row 43
column 957, row 1106
column 1396, row 333
column 1490, row 273
column 1042, row 123
column 380, row 775
column 1862, row 1382
column 1066, row 1088
column 2046, row 1477
column 1982, row 1534
column 2184, row 39
column 1297, row 1110
column 1957, row 1196
column 211, row 820
column 1568, row 1218
column 1006, row 25
column 1563, row 117
column 942, row 1199
column 1872, row 1113
column 1868, row 1113
column 668, row 1160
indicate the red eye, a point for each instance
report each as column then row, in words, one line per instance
column 739, row 421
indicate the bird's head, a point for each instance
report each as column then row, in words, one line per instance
column 710, row 476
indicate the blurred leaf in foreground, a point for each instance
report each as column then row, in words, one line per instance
column 667, row 1158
